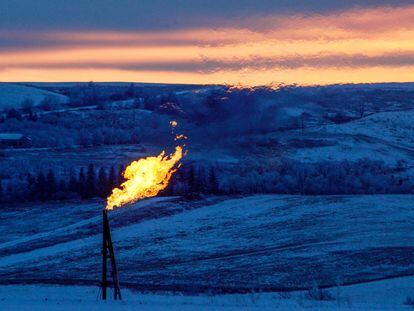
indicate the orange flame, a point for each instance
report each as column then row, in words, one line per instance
column 145, row 178
column 180, row 136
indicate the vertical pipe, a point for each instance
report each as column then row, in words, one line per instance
column 104, row 253
column 114, row 270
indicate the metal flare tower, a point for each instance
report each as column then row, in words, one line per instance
column 108, row 251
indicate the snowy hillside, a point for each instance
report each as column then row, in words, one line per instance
column 264, row 242
column 12, row 95
column 337, row 145
column 385, row 136
column 395, row 127
column 231, row 220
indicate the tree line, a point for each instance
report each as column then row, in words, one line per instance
column 194, row 179
column 89, row 182
column 86, row 183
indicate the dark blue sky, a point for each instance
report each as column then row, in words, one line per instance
column 157, row 14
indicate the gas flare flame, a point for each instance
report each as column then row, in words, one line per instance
column 145, row 178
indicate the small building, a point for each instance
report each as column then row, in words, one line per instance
column 14, row 140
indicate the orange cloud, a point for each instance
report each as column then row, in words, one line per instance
column 365, row 45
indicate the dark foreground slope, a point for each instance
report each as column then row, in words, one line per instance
column 268, row 242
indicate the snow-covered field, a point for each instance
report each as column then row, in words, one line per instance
column 385, row 136
column 266, row 242
column 353, row 147
column 394, row 127
column 380, row 295
column 262, row 251
column 12, row 95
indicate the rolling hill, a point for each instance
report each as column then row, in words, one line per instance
column 266, row 242
column 12, row 95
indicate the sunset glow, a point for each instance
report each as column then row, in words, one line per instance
column 349, row 46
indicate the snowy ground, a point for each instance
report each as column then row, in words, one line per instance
column 393, row 127
column 385, row 136
column 352, row 147
column 270, row 242
column 12, row 95
column 381, row 295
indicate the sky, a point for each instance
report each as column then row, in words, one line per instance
column 250, row 42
